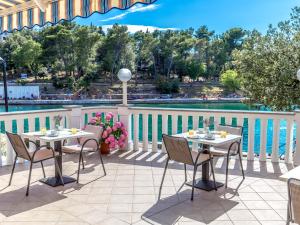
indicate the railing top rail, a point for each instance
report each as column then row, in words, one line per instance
column 32, row 112
column 150, row 109
column 99, row 107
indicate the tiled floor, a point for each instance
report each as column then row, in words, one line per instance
column 129, row 192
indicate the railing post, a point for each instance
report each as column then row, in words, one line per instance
column 289, row 141
column 154, row 132
column 263, row 134
column 74, row 119
column 9, row 152
column 136, row 132
column 275, row 140
column 125, row 117
column 164, row 127
column 250, row 154
column 297, row 152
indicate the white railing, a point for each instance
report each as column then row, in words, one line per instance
column 146, row 136
column 20, row 122
column 198, row 116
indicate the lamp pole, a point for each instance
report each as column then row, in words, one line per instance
column 124, row 113
column 2, row 61
column 124, row 75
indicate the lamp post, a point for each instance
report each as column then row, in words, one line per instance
column 124, row 75
column 2, row 61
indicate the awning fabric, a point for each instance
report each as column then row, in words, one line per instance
column 17, row 14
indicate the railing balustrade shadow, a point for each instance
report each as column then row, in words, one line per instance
column 205, row 208
column 13, row 202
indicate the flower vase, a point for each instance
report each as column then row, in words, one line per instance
column 104, row 148
column 57, row 127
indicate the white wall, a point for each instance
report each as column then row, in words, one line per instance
column 18, row 92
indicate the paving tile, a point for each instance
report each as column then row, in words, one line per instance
column 257, row 205
column 129, row 193
column 266, row 215
column 240, row 215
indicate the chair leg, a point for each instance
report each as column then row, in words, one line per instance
column 211, row 162
column 29, row 177
column 227, row 165
column 163, row 177
column 185, row 174
column 12, row 171
column 79, row 161
column 59, row 172
column 288, row 216
column 82, row 162
column 43, row 169
column 193, row 187
column 241, row 163
column 102, row 163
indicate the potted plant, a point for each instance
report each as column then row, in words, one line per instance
column 114, row 134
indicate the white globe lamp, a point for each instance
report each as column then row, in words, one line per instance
column 124, row 75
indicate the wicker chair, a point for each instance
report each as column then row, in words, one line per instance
column 293, row 213
column 86, row 145
column 231, row 149
column 41, row 154
column 178, row 150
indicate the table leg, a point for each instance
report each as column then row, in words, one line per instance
column 55, row 181
column 204, row 182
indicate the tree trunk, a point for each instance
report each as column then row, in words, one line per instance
column 169, row 67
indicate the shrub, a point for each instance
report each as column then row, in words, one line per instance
column 22, row 82
column 167, row 86
column 57, row 83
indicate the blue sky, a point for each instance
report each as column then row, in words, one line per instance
column 218, row 15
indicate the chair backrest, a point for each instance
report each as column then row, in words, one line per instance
column 178, row 149
column 237, row 130
column 18, row 145
column 294, row 199
column 97, row 131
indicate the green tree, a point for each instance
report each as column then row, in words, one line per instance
column 230, row 80
column 116, row 51
column 27, row 55
column 195, row 69
column 203, row 46
column 268, row 64
column 59, row 48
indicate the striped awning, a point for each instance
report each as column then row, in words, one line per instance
column 17, row 14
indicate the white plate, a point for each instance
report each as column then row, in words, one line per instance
column 39, row 134
column 209, row 138
column 52, row 135
column 193, row 136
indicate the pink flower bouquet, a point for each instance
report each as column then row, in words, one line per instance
column 114, row 134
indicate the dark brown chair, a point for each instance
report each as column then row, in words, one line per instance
column 230, row 149
column 178, row 150
column 41, row 154
column 293, row 213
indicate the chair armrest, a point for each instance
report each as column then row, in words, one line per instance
column 232, row 144
column 64, row 142
column 89, row 140
column 40, row 148
column 30, row 141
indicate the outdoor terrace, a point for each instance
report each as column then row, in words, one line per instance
column 129, row 192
